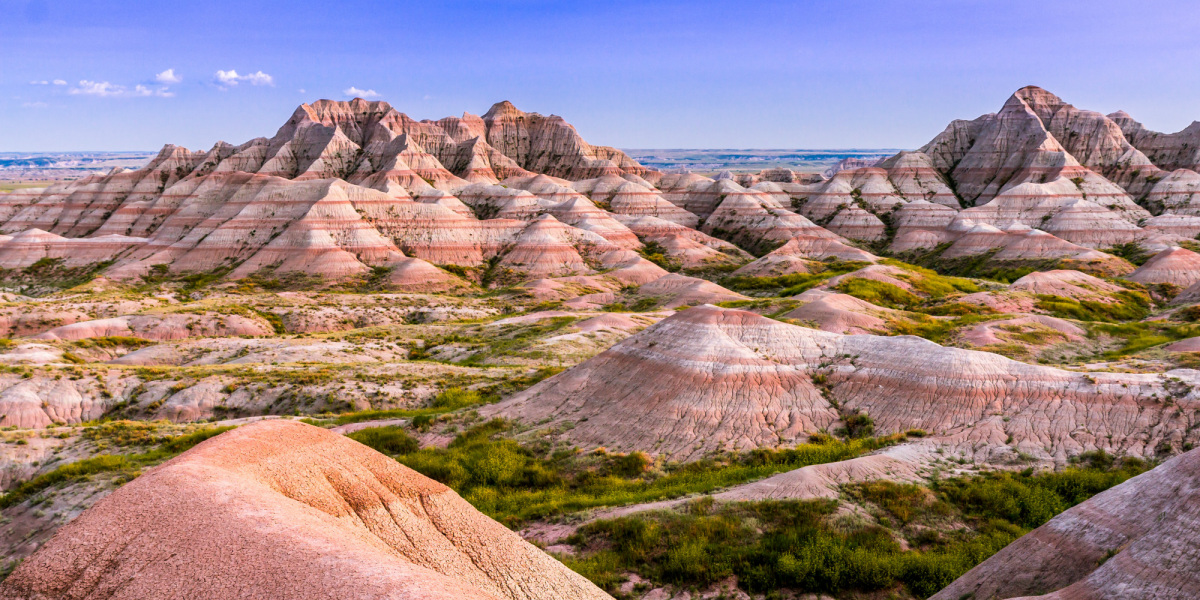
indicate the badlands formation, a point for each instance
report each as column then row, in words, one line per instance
column 280, row 509
column 642, row 371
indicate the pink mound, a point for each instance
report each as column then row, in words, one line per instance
column 880, row 273
column 794, row 256
column 997, row 332
column 710, row 379
column 1177, row 266
column 841, row 313
column 681, row 290
column 1188, row 345
column 279, row 509
column 161, row 327
column 1068, row 284
column 609, row 321
column 1002, row 302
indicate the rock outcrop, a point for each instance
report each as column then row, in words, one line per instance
column 1176, row 266
column 709, row 379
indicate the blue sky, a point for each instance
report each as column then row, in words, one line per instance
column 695, row 74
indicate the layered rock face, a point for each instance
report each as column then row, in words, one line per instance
column 280, row 509
column 346, row 189
column 1176, row 266
column 709, row 379
column 1170, row 151
column 1038, row 164
column 1135, row 540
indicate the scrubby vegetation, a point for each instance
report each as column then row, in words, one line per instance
column 878, row 293
column 1135, row 337
column 514, row 483
column 796, row 283
column 387, row 440
column 128, row 466
column 1127, row 306
column 810, row 547
column 657, row 254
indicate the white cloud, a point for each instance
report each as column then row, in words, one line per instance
column 47, row 82
column 97, row 88
column 105, row 89
column 162, row 92
column 42, row 82
column 59, row 82
column 357, row 93
column 230, row 78
column 168, row 77
column 35, row 105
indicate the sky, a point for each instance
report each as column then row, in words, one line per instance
column 132, row 75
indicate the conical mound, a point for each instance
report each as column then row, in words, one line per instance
column 278, row 509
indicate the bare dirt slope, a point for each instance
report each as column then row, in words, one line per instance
column 711, row 379
column 285, row 510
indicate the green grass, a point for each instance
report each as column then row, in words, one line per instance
column 879, row 293
column 452, row 399
column 456, row 398
column 1129, row 306
column 513, row 340
column 275, row 321
column 979, row 266
column 377, row 415
column 795, row 283
column 934, row 330
column 1132, row 252
column 113, row 341
column 800, row 546
column 657, row 254
column 386, row 440
column 129, row 465
column 1136, row 337
column 514, row 484
column 932, row 284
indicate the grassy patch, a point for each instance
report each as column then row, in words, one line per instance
column 795, row 283
column 1139, row 336
column 657, row 254
column 1130, row 306
column 879, row 293
column 1131, row 251
column 514, row 340
column 514, row 484
column 129, row 465
column 934, row 330
column 113, row 341
column 804, row 547
column 930, row 283
column 386, row 440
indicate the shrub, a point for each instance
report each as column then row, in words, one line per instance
column 859, row 425
column 455, row 398
column 389, row 440
column 630, row 465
